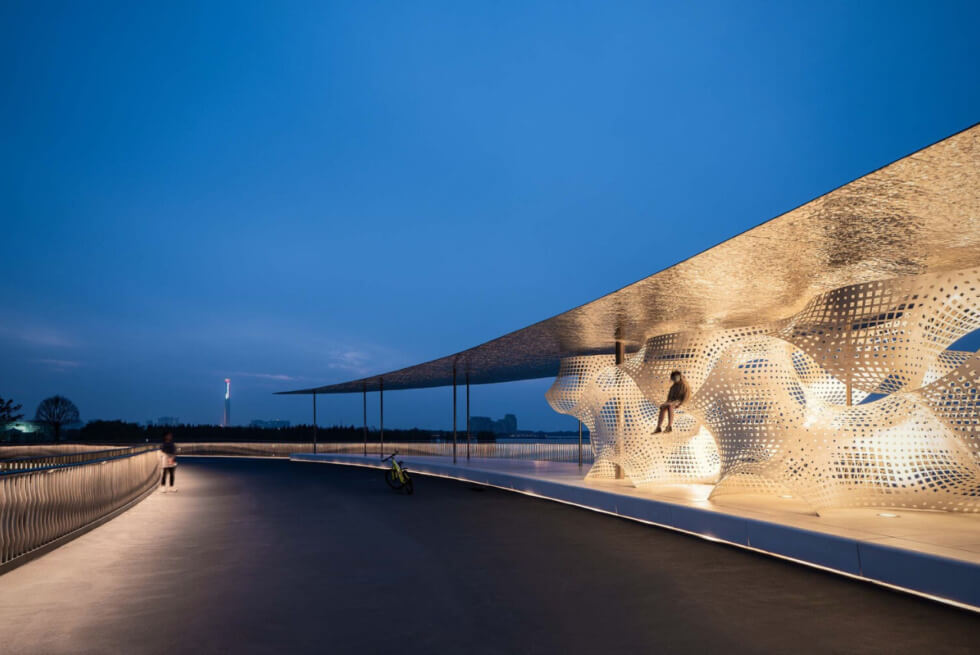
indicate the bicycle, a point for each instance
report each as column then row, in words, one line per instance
column 397, row 476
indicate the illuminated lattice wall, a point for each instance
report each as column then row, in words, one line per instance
column 768, row 411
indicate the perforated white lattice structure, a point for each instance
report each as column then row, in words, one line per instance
column 768, row 411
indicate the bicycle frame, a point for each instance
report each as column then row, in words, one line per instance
column 397, row 467
column 399, row 471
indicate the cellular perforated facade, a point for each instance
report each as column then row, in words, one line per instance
column 855, row 401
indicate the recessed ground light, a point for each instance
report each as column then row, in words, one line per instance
column 888, row 515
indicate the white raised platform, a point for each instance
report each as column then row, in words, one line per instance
column 933, row 554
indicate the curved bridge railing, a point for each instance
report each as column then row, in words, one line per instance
column 553, row 452
column 43, row 460
column 47, row 500
column 19, row 451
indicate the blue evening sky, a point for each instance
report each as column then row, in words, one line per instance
column 292, row 194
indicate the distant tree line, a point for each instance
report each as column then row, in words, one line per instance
column 57, row 412
column 124, row 432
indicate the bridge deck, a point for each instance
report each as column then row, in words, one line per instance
column 936, row 554
column 273, row 556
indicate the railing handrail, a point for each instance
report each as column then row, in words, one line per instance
column 563, row 451
column 41, row 462
column 542, row 451
column 81, row 452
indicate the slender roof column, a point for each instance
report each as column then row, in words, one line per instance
column 454, row 414
column 620, row 356
column 381, row 397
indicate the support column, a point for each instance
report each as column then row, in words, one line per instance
column 580, row 444
column 620, row 357
column 467, row 416
column 314, row 422
column 364, row 393
column 381, row 397
column 850, row 352
column 454, row 414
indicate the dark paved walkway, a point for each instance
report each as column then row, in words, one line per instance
column 273, row 557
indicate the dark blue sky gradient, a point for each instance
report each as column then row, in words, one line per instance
column 292, row 194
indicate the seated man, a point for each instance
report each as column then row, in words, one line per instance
column 677, row 396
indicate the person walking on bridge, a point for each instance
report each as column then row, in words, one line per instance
column 677, row 396
column 168, row 462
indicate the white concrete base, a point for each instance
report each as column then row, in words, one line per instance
column 932, row 554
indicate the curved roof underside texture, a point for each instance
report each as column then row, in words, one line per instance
column 918, row 215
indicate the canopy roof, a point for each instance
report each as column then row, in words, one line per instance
column 920, row 214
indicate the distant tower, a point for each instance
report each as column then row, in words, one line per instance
column 227, row 403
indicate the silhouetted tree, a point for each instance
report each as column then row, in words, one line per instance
column 56, row 411
column 8, row 411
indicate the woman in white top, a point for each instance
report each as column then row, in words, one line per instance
column 168, row 460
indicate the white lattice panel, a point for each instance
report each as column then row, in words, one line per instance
column 886, row 335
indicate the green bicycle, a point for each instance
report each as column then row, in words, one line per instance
column 397, row 476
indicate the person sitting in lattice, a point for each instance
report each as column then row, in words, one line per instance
column 677, row 396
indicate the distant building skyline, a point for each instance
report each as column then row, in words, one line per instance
column 273, row 424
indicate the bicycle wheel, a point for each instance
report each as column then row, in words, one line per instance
column 392, row 479
column 409, row 487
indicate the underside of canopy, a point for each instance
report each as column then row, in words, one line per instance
column 920, row 214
